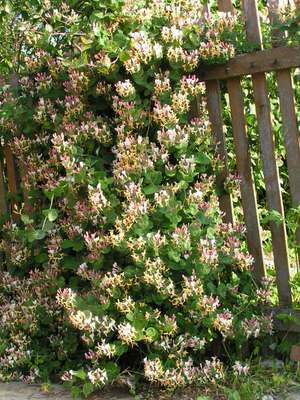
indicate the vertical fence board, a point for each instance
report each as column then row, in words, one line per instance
column 22, row 172
column 288, row 114
column 244, row 170
column 3, row 205
column 241, row 144
column 291, row 137
column 274, row 199
column 216, row 119
column 252, row 23
column 225, row 6
column 11, row 175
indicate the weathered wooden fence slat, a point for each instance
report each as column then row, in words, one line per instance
column 289, row 118
column 243, row 160
column 11, row 176
column 213, row 93
column 268, row 60
column 225, row 6
column 273, row 191
column 271, row 175
column 23, row 171
column 252, row 23
column 3, row 205
column 291, row 136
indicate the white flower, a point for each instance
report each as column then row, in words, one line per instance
column 240, row 369
column 158, row 50
column 98, row 377
column 127, row 333
column 106, row 349
column 125, row 88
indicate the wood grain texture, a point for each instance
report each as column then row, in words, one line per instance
column 243, row 160
column 26, row 200
column 225, row 6
column 267, row 147
column 251, row 63
column 273, row 190
column 11, row 176
column 289, row 118
column 241, row 144
column 3, row 205
column 252, row 22
column 214, row 106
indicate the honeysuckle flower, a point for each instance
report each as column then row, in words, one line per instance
column 172, row 34
column 66, row 298
column 224, row 323
column 67, row 376
column 98, row 377
column 125, row 88
column 153, row 369
column 105, row 349
column 213, row 370
column 127, row 333
column 240, row 369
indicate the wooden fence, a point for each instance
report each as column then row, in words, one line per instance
column 279, row 60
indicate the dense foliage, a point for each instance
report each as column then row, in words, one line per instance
column 119, row 263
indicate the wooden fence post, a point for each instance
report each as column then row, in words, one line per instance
column 3, row 205
column 274, row 199
column 289, row 119
column 214, row 106
column 11, row 177
column 241, row 143
column 248, row 192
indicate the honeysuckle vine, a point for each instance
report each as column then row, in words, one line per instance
column 120, row 264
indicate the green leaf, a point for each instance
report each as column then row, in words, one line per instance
column 286, row 318
column 174, row 255
column 76, row 392
column 121, row 348
column 36, row 235
column 152, row 334
column 81, row 374
column 124, row 56
column 87, row 388
column 112, row 370
column 202, row 158
column 71, row 262
column 143, row 225
column 154, row 177
column 222, row 290
column 234, row 395
column 48, row 226
column 26, row 219
column 76, row 244
column 120, row 39
column 52, row 214
column 273, row 216
column 139, row 323
column 150, row 189
column 41, row 258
